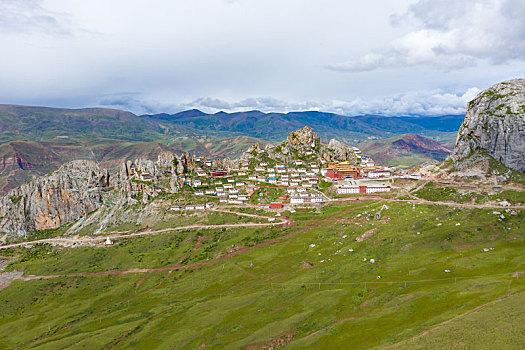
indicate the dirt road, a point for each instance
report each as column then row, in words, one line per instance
column 70, row 240
column 199, row 264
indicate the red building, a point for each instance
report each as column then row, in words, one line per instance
column 342, row 170
column 218, row 173
column 276, row 205
column 333, row 174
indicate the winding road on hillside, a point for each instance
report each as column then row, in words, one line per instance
column 69, row 241
column 177, row 266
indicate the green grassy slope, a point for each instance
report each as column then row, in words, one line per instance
column 289, row 296
column 498, row 325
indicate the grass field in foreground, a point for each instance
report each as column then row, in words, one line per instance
column 307, row 290
column 500, row 325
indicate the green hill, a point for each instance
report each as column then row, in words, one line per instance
column 305, row 289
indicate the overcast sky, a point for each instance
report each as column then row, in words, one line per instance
column 350, row 57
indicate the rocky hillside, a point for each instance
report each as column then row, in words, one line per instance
column 72, row 191
column 406, row 150
column 80, row 187
column 494, row 126
column 301, row 144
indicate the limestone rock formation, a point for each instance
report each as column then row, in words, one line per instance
column 76, row 189
column 303, row 139
column 495, row 125
column 303, row 142
column 49, row 202
column 339, row 151
column 140, row 176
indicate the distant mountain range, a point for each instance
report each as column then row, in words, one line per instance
column 275, row 126
column 405, row 150
column 36, row 140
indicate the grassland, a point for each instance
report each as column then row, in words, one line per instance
column 321, row 296
column 438, row 192
column 498, row 325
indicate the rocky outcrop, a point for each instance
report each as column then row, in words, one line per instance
column 494, row 125
column 76, row 189
column 141, row 176
column 49, row 202
column 303, row 139
column 301, row 143
column 340, row 151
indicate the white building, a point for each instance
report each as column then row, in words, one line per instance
column 374, row 174
column 306, row 200
column 348, row 190
column 362, row 189
column 374, row 189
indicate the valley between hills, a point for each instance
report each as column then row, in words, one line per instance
column 294, row 243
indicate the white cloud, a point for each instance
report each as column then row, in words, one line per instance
column 30, row 16
column 451, row 34
column 415, row 103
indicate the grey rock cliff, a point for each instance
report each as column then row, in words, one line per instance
column 77, row 188
column 495, row 123
column 300, row 143
column 67, row 194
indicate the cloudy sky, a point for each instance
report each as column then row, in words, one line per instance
column 351, row 57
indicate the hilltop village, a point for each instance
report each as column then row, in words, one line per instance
column 299, row 171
